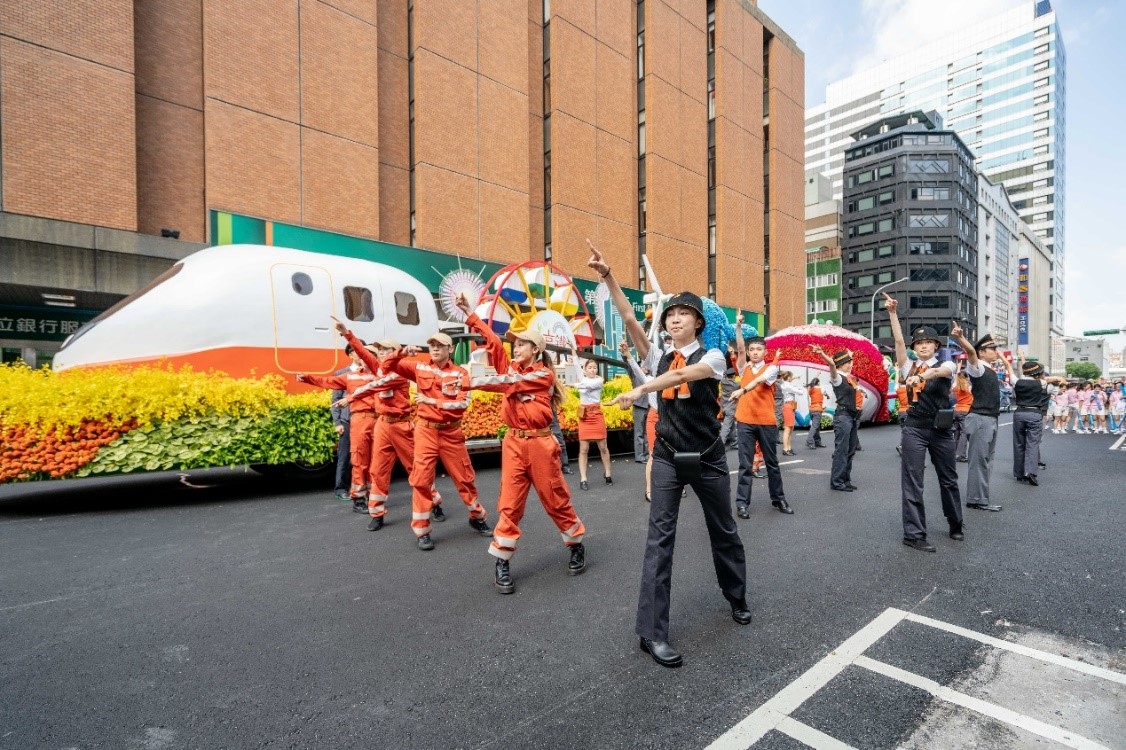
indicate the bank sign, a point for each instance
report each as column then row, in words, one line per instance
column 1022, row 302
column 39, row 324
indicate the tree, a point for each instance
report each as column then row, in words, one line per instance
column 1082, row 370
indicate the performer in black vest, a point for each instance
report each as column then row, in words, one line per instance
column 926, row 429
column 846, row 418
column 981, row 422
column 1031, row 397
column 688, row 451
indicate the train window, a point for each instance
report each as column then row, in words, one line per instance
column 302, row 284
column 358, row 305
column 406, row 308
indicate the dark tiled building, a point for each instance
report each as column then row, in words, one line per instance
column 909, row 212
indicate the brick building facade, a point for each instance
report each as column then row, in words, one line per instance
column 501, row 129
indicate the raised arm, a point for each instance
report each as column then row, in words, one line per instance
column 892, row 307
column 740, row 344
column 816, row 349
column 767, row 374
column 625, row 309
column 957, row 334
column 670, row 379
column 494, row 347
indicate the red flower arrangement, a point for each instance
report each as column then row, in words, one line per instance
column 867, row 362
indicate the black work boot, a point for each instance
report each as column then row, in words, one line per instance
column 577, row 563
column 375, row 524
column 503, row 579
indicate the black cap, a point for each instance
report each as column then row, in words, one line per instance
column 1032, row 369
column 685, row 299
column 925, row 333
column 986, row 342
column 842, row 358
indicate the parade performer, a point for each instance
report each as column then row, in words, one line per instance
column 688, row 451
column 640, row 409
column 592, row 423
column 981, row 422
column 1032, row 397
column 361, row 421
column 756, row 424
column 846, row 418
column 443, row 397
column 394, row 436
column 530, row 454
column 927, row 428
column 816, row 409
column 963, row 395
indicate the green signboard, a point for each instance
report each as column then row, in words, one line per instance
column 41, row 324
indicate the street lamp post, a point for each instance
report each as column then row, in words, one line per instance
column 872, row 310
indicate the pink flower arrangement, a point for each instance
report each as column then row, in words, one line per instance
column 867, row 362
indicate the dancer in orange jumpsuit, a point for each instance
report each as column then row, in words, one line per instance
column 362, row 425
column 443, row 397
column 530, row 454
column 394, row 434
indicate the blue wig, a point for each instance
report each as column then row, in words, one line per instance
column 717, row 331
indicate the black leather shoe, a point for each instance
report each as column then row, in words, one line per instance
column 961, row 459
column 957, row 532
column 741, row 613
column 783, row 506
column 1041, row 464
column 567, row 470
column 662, row 653
column 920, row 544
column 375, row 524
column 757, row 474
column 437, row 513
column 584, row 485
column 842, row 488
column 577, row 563
column 359, row 506
column 503, row 578
column 609, row 480
column 788, row 453
column 481, row 526
column 647, row 498
column 851, row 487
column 983, row 506
column 1031, row 479
column 742, row 511
column 425, row 543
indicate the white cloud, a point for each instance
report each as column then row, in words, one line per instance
column 899, row 26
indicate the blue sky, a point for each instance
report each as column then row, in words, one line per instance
column 840, row 37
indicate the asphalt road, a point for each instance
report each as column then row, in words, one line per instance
column 142, row 612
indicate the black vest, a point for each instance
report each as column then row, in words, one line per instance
column 934, row 396
column 987, row 394
column 845, row 395
column 688, row 424
column 1029, row 393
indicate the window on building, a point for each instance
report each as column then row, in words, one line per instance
column 862, row 256
column 885, row 251
column 927, row 221
column 930, row 194
column 930, row 302
column 931, row 274
column 886, row 197
column 886, row 170
column 886, row 225
column 928, row 166
column 885, row 277
column 859, row 282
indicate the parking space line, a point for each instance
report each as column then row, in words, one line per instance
column 807, row 735
column 1045, row 656
column 1117, row 443
column 770, row 714
column 985, row 708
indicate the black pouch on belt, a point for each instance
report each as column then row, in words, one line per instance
column 944, row 419
column 688, row 467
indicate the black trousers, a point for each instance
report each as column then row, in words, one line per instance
column 640, row 439
column 714, row 490
column 344, row 461
column 766, row 435
column 1028, row 428
column 917, row 441
column 557, row 433
column 845, row 443
column 814, row 437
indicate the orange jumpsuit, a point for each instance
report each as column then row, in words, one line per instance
column 443, row 397
column 361, row 426
column 530, row 454
column 394, row 437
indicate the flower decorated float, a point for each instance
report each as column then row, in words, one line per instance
column 868, row 366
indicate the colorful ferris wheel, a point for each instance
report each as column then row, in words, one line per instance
column 537, row 295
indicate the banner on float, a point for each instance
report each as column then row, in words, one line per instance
column 1022, row 302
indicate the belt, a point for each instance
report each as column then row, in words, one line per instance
column 1029, row 408
column 541, row 432
column 441, row 425
column 392, row 419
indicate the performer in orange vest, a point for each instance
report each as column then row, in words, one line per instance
column 530, row 453
column 443, row 397
column 361, row 427
column 394, row 434
column 816, row 409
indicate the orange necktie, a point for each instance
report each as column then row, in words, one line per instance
column 680, row 391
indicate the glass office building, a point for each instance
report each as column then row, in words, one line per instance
column 1001, row 86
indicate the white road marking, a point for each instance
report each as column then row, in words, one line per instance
column 1118, row 443
column 35, row 604
column 767, row 716
column 807, row 735
column 780, row 463
column 985, row 708
column 1016, row 648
